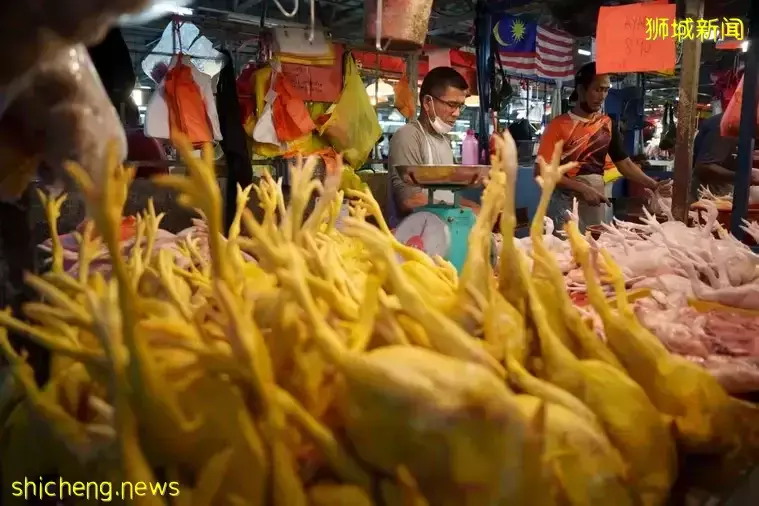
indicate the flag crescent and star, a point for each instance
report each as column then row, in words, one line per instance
column 525, row 47
column 516, row 32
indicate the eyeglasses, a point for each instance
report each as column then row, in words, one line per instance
column 452, row 105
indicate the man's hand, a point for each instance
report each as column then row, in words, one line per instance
column 593, row 197
column 664, row 188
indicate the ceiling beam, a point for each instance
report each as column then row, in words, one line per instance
column 445, row 24
column 355, row 15
column 247, row 4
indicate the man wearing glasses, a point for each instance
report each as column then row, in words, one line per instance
column 424, row 141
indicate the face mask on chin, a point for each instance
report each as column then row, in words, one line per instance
column 438, row 124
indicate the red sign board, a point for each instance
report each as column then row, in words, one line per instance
column 622, row 43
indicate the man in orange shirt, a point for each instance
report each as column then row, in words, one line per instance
column 589, row 137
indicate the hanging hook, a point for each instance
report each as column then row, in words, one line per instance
column 378, row 28
column 284, row 11
column 313, row 21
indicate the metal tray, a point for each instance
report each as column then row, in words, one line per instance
column 443, row 175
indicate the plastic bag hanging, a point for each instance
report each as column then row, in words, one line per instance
column 291, row 117
column 404, row 99
column 188, row 114
column 669, row 138
column 265, row 131
column 184, row 38
column 731, row 119
column 353, row 128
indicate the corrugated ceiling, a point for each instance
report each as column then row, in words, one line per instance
column 450, row 24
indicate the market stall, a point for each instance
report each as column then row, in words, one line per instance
column 277, row 344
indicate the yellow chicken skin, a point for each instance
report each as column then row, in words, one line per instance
column 288, row 361
column 631, row 421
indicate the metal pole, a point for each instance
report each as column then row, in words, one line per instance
column 376, row 150
column 527, row 111
column 412, row 74
column 686, row 115
column 485, row 68
column 747, row 128
column 641, row 112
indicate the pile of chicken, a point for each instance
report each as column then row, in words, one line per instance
column 329, row 372
column 704, row 287
column 724, row 202
column 187, row 247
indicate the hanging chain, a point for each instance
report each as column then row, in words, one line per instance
column 292, row 14
column 284, row 11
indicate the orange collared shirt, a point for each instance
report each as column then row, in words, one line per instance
column 587, row 141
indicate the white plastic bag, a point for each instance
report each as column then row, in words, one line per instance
column 264, row 131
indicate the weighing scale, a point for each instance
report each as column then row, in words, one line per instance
column 439, row 228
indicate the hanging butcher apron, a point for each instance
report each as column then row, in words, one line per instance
column 562, row 201
column 440, row 195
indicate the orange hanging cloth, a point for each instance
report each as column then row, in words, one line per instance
column 188, row 115
column 292, row 120
column 404, row 99
column 731, row 119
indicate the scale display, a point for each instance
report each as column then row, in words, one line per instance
column 426, row 232
column 438, row 228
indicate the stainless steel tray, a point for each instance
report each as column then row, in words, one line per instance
column 443, row 175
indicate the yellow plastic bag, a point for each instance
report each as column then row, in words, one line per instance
column 309, row 143
column 353, row 128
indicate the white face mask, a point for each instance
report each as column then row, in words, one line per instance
column 438, row 124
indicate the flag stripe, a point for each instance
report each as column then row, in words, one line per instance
column 555, row 36
column 553, row 57
column 551, row 54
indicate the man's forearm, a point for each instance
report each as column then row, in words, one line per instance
column 571, row 184
column 634, row 173
column 713, row 173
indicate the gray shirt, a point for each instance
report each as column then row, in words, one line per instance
column 710, row 147
column 411, row 145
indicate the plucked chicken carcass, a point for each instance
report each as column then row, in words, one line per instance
column 703, row 413
column 567, row 424
column 752, row 229
column 724, row 342
column 676, row 259
column 738, row 375
column 321, row 370
column 61, row 114
column 38, row 29
column 556, row 245
column 707, row 197
column 631, row 421
column 188, row 247
column 53, row 107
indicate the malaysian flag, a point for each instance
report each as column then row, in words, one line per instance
column 531, row 50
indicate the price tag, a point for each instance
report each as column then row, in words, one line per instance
column 623, row 41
